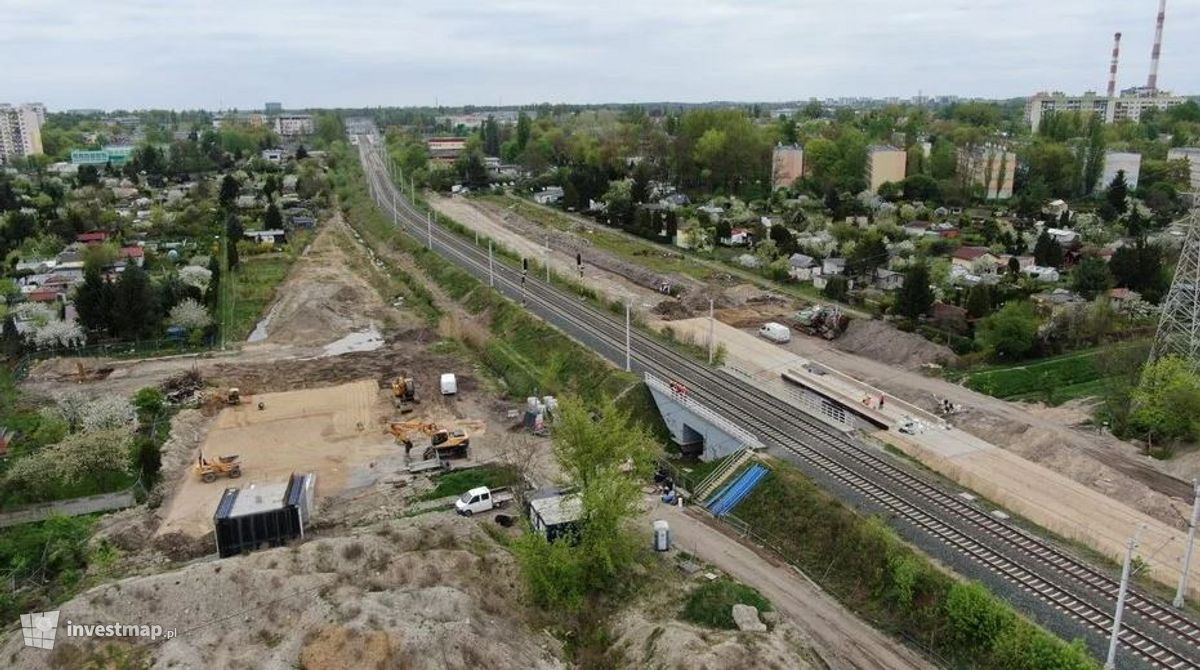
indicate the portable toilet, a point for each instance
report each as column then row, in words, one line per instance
column 662, row 536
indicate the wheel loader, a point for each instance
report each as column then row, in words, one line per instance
column 228, row 466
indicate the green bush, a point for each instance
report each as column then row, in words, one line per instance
column 869, row 569
column 711, row 604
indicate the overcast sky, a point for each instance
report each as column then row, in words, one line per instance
column 327, row 53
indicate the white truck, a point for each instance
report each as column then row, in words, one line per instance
column 482, row 499
column 449, row 384
column 776, row 332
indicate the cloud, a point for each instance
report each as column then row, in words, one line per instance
column 221, row 53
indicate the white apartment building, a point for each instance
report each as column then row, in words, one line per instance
column 294, row 124
column 20, row 132
column 1117, row 108
column 1118, row 161
column 1192, row 155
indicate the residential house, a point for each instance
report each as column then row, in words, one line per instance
column 93, row 237
column 887, row 280
column 1055, row 208
column 1059, row 296
column 977, row 260
column 272, row 155
column 246, row 202
column 1042, row 273
column 713, row 212
column 674, row 200
column 738, row 237
column 266, row 236
column 1066, row 238
column 135, row 255
column 919, row 228
column 833, row 266
column 801, row 267
column 945, row 230
column 548, row 196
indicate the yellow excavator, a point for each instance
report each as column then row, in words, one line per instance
column 404, row 394
column 443, row 443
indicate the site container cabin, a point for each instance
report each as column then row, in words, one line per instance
column 556, row 514
column 263, row 515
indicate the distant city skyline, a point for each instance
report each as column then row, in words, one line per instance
column 131, row 54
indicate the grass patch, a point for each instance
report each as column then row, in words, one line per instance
column 711, row 604
column 254, row 287
column 457, row 482
column 1051, row 380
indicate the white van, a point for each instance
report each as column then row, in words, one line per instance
column 449, row 384
column 776, row 332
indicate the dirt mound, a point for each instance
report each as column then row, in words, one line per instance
column 882, row 342
column 430, row 593
column 697, row 301
column 323, row 297
column 672, row 309
column 675, row 644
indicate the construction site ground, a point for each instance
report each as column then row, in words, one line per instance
column 368, row 588
column 1069, row 508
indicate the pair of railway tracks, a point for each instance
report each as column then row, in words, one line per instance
column 1156, row 634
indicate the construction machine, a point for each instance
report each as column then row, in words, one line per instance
column 234, row 397
column 404, row 394
column 443, row 443
column 208, row 471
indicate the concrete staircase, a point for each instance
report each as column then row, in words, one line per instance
column 718, row 477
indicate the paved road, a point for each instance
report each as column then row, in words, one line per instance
column 841, row 638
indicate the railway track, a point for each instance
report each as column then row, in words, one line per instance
column 1155, row 633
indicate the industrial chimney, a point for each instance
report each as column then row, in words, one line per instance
column 1152, row 82
column 1112, row 68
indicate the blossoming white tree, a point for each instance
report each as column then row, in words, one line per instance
column 189, row 314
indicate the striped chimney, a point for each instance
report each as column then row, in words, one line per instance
column 1152, row 82
column 1112, row 68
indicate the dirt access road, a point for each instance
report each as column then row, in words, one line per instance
column 841, row 638
column 1102, row 462
column 612, row 285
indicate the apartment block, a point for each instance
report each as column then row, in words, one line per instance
column 991, row 167
column 20, row 132
column 1111, row 109
column 1192, row 156
column 885, row 163
column 294, row 124
column 1120, row 161
column 787, row 165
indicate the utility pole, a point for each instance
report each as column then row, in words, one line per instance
column 547, row 260
column 627, row 339
column 491, row 267
column 429, row 229
column 711, row 341
column 1191, row 538
column 395, row 212
column 1111, row 662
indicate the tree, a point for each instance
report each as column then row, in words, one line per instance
column 10, row 338
column 836, row 288
column 1011, row 333
column 272, row 219
column 88, row 175
column 783, row 239
column 1047, row 252
column 524, row 130
column 1117, row 195
column 1091, row 277
column 491, row 136
column 229, row 191
column 915, row 297
column 869, row 253
column 723, row 230
column 270, row 187
column 135, row 305
column 979, row 301
column 189, row 315
column 640, row 189
column 1167, row 401
column 301, row 153
column 212, row 294
column 787, row 130
column 94, row 301
column 233, row 234
column 604, row 454
column 1140, row 268
column 619, row 202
